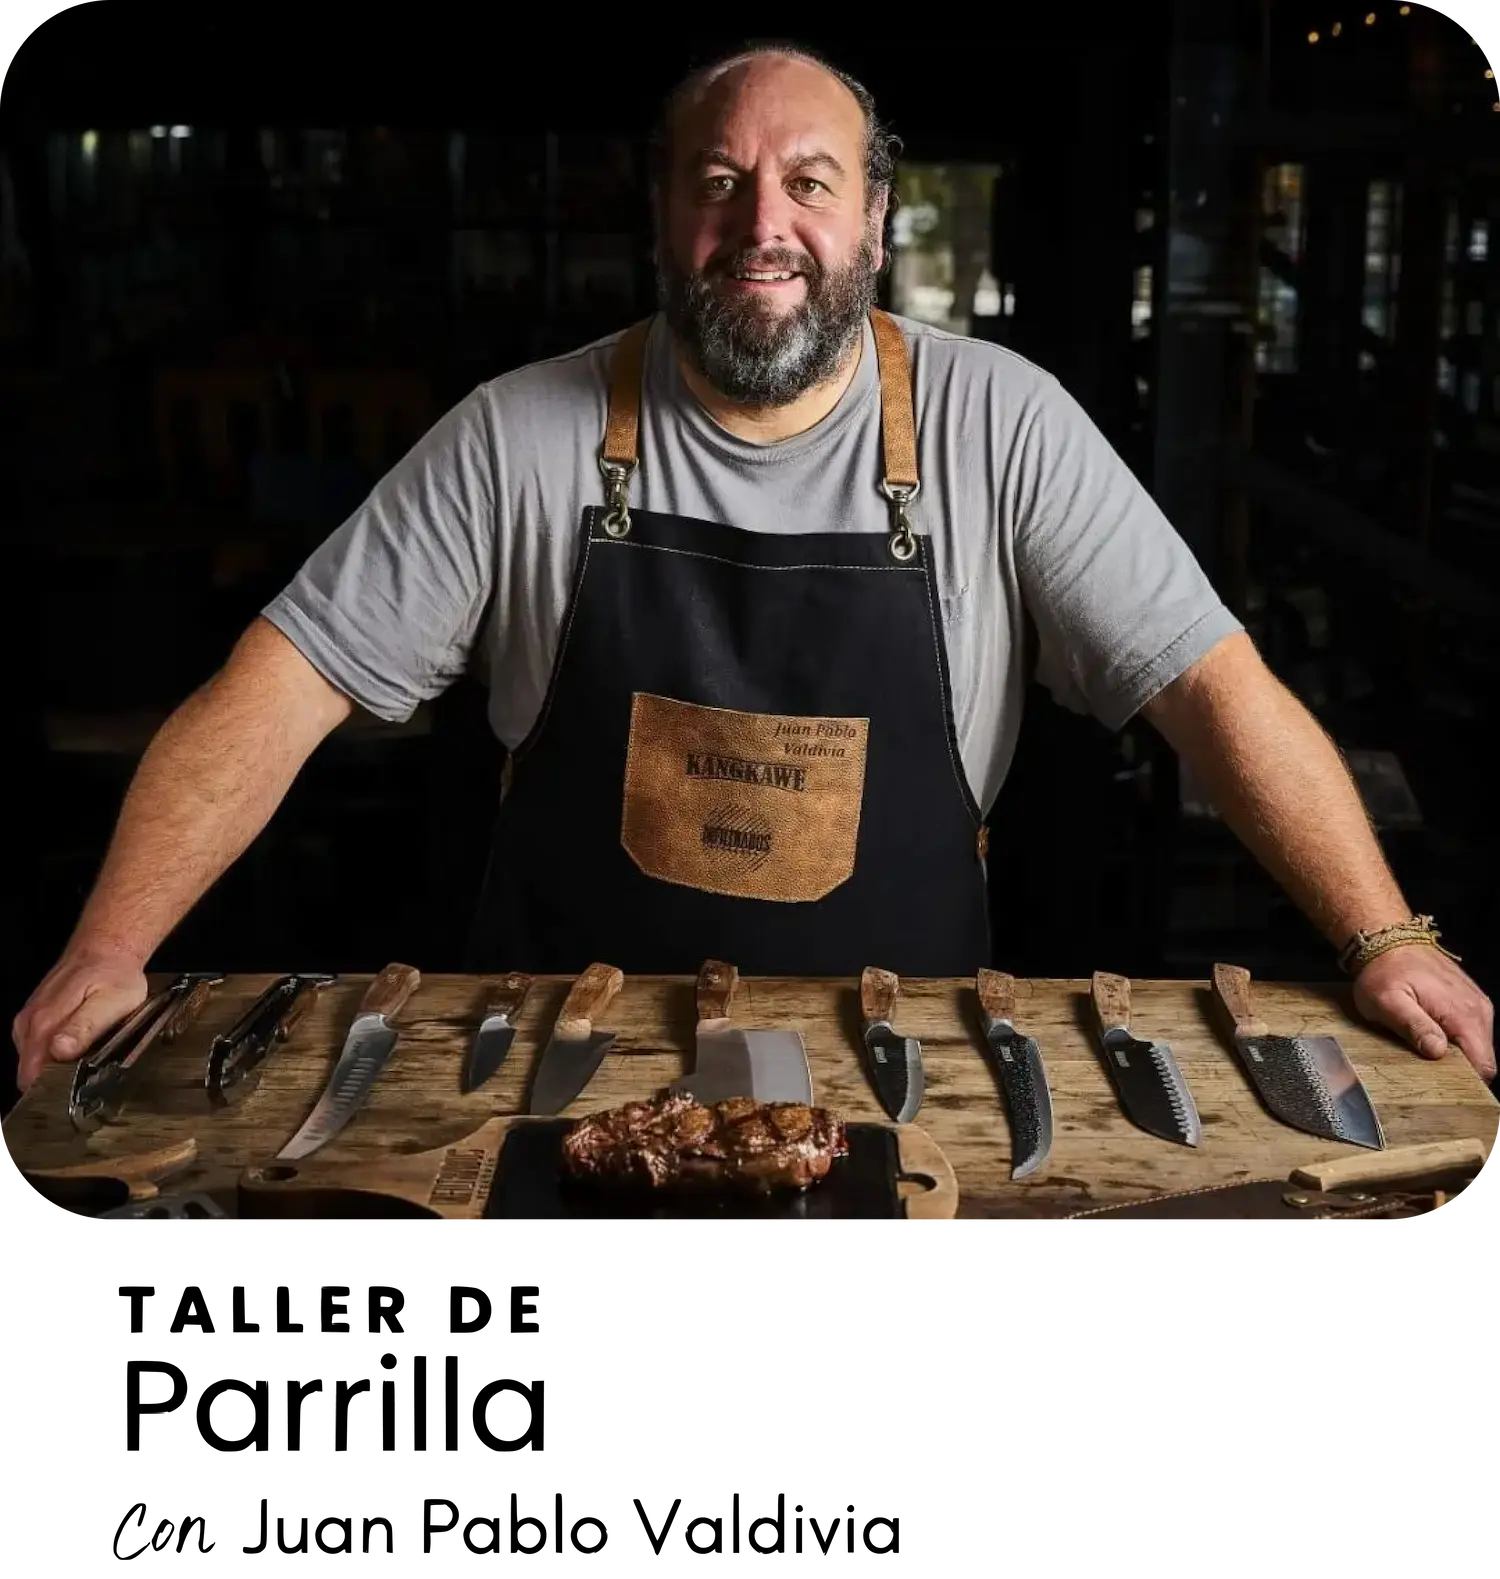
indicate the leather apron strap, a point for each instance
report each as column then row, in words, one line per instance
column 620, row 453
column 622, row 426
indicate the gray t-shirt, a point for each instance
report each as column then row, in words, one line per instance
column 462, row 558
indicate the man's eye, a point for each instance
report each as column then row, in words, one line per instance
column 806, row 185
column 717, row 185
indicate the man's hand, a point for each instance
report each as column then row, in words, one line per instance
column 1423, row 996
column 81, row 997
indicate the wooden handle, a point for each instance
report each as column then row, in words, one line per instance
column 508, row 994
column 997, row 994
column 390, row 989
column 878, row 991
column 923, row 1159
column 140, row 1173
column 189, row 1007
column 1232, row 989
column 717, row 983
column 1404, row 1162
column 588, row 998
column 1111, row 999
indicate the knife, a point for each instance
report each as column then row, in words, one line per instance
column 496, row 1031
column 105, row 1073
column 366, row 1048
column 1018, row 1060
column 575, row 1049
column 1306, row 1081
column 237, row 1056
column 895, row 1061
column 1145, row 1074
column 767, row 1066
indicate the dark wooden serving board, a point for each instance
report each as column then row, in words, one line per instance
column 512, row 1167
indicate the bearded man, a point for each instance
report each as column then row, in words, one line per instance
column 750, row 585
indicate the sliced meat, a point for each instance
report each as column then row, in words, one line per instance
column 674, row 1142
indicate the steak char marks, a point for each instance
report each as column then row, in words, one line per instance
column 675, row 1143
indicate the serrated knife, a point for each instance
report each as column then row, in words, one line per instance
column 496, row 1031
column 1306, row 1081
column 367, row 1047
column 767, row 1066
column 1023, row 1078
column 895, row 1061
column 1145, row 1074
column 575, row 1049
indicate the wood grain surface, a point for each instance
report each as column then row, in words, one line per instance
column 1097, row 1158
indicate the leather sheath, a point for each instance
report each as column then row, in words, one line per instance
column 1273, row 1200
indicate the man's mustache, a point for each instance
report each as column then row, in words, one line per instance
column 764, row 260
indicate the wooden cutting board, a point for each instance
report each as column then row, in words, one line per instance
column 510, row 1166
column 1098, row 1157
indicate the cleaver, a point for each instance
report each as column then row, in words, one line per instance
column 1306, row 1081
column 768, row 1066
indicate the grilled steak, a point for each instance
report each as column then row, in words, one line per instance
column 673, row 1143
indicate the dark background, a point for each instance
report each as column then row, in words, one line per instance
column 1261, row 262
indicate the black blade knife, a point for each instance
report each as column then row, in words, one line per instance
column 1018, row 1061
column 895, row 1061
column 575, row 1049
column 1145, row 1074
column 496, row 1032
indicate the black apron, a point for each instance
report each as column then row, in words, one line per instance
column 747, row 748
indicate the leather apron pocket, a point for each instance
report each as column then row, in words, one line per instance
column 757, row 805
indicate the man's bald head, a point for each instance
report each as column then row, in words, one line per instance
column 713, row 78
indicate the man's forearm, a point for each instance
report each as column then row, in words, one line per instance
column 206, row 786
column 1280, row 784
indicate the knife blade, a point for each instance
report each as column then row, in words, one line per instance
column 496, row 1031
column 238, row 1055
column 1305, row 1081
column 575, row 1049
column 1023, row 1077
column 767, row 1066
column 367, row 1046
column 105, row 1073
column 1145, row 1074
column 895, row 1061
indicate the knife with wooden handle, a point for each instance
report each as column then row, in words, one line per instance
column 1305, row 1081
column 496, row 1032
column 369, row 1043
column 895, row 1061
column 1145, row 1074
column 575, row 1049
column 1018, row 1062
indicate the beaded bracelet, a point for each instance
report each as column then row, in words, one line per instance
column 1365, row 946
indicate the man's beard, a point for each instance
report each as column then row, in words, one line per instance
column 752, row 354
